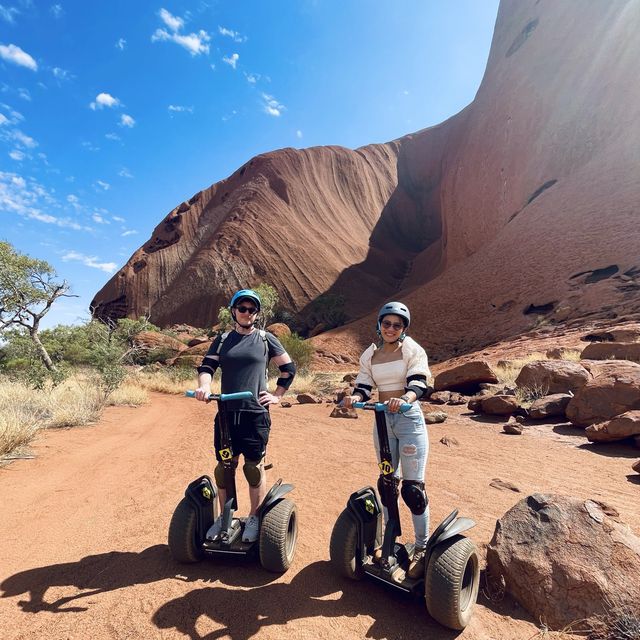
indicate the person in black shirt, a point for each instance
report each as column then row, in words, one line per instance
column 243, row 355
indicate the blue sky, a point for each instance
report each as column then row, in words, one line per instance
column 112, row 113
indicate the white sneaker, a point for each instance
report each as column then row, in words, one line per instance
column 250, row 533
column 214, row 529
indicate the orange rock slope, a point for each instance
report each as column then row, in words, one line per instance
column 519, row 211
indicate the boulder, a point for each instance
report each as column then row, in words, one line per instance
column 440, row 397
column 612, row 351
column 553, row 405
column 465, row 377
column 279, row 329
column 199, row 349
column 198, row 340
column 636, row 466
column 552, row 376
column 614, row 389
column 513, row 428
column 565, row 559
column 630, row 333
column 499, row 405
column 618, row 428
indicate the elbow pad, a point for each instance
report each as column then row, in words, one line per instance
column 418, row 384
column 209, row 365
column 363, row 390
column 289, row 368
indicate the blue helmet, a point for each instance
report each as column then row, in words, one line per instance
column 245, row 293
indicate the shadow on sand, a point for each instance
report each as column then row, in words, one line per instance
column 240, row 598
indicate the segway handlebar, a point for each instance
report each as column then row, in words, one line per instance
column 380, row 406
column 240, row 395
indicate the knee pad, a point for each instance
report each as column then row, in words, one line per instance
column 384, row 480
column 415, row 496
column 218, row 473
column 253, row 472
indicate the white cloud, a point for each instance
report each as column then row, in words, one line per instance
column 16, row 155
column 125, row 173
column 252, row 78
column 96, row 217
column 24, row 94
column 231, row 60
column 7, row 13
column 16, row 55
column 119, row 219
column 130, row 232
column 237, row 37
column 104, row 100
column 3, row 119
column 174, row 23
column 298, row 134
column 103, row 185
column 57, row 11
column 89, row 146
column 194, row 43
column 23, row 139
column 127, row 121
column 121, row 44
column 61, row 74
column 112, row 136
column 272, row 106
column 177, row 108
column 89, row 261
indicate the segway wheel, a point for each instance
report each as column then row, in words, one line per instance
column 183, row 543
column 451, row 582
column 278, row 536
column 343, row 547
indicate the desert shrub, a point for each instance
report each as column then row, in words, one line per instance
column 299, row 349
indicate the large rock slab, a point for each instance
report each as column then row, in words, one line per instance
column 612, row 351
column 629, row 333
column 465, row 377
column 549, row 406
column 553, row 376
column 614, row 389
column 565, row 559
column 499, row 405
column 623, row 426
column 159, row 343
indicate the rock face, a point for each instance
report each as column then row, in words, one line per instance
column 553, row 376
column 614, row 389
column 549, row 143
column 565, row 559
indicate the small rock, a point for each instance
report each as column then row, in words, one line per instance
column 513, row 429
column 343, row 412
column 307, row 398
column 434, row 417
column 449, row 442
column 285, row 403
column 502, row 484
column 636, row 466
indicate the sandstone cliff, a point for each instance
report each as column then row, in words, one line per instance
column 519, row 211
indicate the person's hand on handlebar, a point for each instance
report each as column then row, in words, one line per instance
column 394, row 404
column 348, row 401
column 203, row 392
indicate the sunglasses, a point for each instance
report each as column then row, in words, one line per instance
column 250, row 310
column 396, row 326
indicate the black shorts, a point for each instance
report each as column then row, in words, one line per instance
column 249, row 434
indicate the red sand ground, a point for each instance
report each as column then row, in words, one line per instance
column 84, row 525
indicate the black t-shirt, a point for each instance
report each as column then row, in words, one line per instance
column 244, row 360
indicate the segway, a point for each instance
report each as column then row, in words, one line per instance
column 452, row 568
column 195, row 513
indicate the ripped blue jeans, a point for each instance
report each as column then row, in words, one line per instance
column 409, row 443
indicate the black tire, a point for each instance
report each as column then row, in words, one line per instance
column 278, row 536
column 451, row 582
column 343, row 548
column 183, row 543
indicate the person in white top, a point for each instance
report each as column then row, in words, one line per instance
column 398, row 366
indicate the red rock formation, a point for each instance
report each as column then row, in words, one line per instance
column 520, row 210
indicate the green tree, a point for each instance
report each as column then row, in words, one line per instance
column 28, row 288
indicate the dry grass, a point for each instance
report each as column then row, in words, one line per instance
column 128, row 394
column 508, row 371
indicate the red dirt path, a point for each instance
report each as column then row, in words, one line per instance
column 84, row 525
